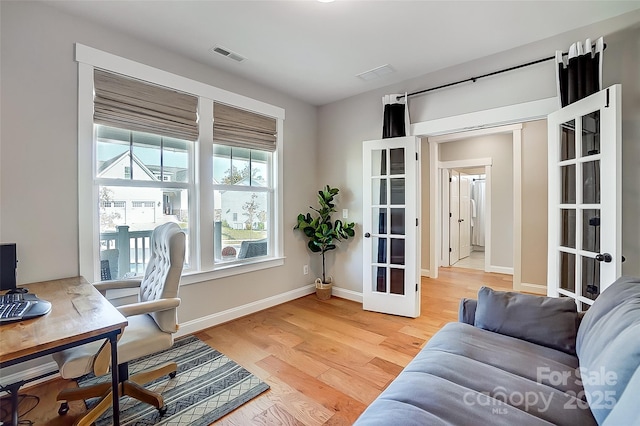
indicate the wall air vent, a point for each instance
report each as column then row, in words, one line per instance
column 227, row 53
column 376, row 72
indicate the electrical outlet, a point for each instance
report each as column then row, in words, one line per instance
column 305, row 269
column 345, row 213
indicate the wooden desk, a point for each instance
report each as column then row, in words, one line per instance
column 79, row 314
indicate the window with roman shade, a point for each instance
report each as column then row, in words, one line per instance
column 243, row 147
column 154, row 159
column 243, row 129
column 133, row 104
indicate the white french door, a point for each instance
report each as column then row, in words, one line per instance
column 391, row 199
column 585, row 197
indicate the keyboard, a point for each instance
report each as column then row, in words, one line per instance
column 20, row 306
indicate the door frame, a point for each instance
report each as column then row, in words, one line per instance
column 480, row 121
column 444, row 167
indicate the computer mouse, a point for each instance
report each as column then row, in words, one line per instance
column 18, row 290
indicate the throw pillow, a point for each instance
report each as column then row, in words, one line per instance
column 547, row 321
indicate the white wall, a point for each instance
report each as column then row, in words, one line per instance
column 39, row 151
column 345, row 124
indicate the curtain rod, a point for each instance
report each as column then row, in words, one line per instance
column 473, row 79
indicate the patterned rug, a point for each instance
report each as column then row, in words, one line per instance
column 208, row 386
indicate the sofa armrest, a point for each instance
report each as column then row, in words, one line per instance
column 467, row 311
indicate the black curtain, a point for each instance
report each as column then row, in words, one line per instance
column 395, row 120
column 579, row 73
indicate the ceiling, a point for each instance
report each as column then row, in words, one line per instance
column 313, row 51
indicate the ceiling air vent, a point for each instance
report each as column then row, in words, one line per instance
column 227, row 53
column 376, row 72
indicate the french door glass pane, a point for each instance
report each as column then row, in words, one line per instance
column 379, row 220
column 379, row 191
column 568, row 189
column 568, row 271
column 397, row 281
column 397, row 161
column 397, row 221
column 397, row 251
column 591, row 230
column 591, row 134
column 379, row 162
column 379, row 250
column 568, row 228
column 568, row 141
column 397, row 191
column 380, row 279
column 591, row 182
column 590, row 277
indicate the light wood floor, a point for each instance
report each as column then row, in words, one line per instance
column 324, row 360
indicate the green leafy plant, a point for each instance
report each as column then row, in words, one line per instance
column 321, row 231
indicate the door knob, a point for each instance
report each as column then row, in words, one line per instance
column 604, row 257
column 460, row 220
column 367, row 235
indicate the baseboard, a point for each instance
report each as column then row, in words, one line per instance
column 424, row 272
column 534, row 288
column 500, row 270
column 347, row 294
column 193, row 326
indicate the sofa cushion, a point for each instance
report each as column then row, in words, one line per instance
column 608, row 346
column 547, row 321
column 466, row 375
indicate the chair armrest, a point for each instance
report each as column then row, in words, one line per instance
column 149, row 306
column 103, row 286
column 467, row 311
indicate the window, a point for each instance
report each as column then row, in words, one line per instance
column 242, row 202
column 222, row 183
column 147, row 200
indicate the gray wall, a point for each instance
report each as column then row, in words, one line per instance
column 38, row 151
column 345, row 124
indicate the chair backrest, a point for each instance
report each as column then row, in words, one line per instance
column 162, row 276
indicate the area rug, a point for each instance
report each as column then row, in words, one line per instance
column 208, row 386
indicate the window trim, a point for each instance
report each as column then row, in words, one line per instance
column 203, row 268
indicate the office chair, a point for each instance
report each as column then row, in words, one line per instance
column 152, row 322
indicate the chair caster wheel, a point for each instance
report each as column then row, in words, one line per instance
column 64, row 409
column 162, row 410
column 173, row 374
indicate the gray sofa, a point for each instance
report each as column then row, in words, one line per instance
column 516, row 359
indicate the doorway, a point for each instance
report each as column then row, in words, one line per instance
column 480, row 120
column 467, row 204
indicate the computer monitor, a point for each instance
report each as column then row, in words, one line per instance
column 8, row 265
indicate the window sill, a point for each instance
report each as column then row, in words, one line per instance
column 229, row 270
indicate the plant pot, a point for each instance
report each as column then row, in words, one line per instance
column 323, row 290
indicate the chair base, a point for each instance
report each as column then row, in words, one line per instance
column 130, row 386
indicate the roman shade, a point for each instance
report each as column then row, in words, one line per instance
column 244, row 129
column 133, row 104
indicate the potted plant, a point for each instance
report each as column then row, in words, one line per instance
column 323, row 233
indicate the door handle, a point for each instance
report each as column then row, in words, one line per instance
column 367, row 235
column 604, row 257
